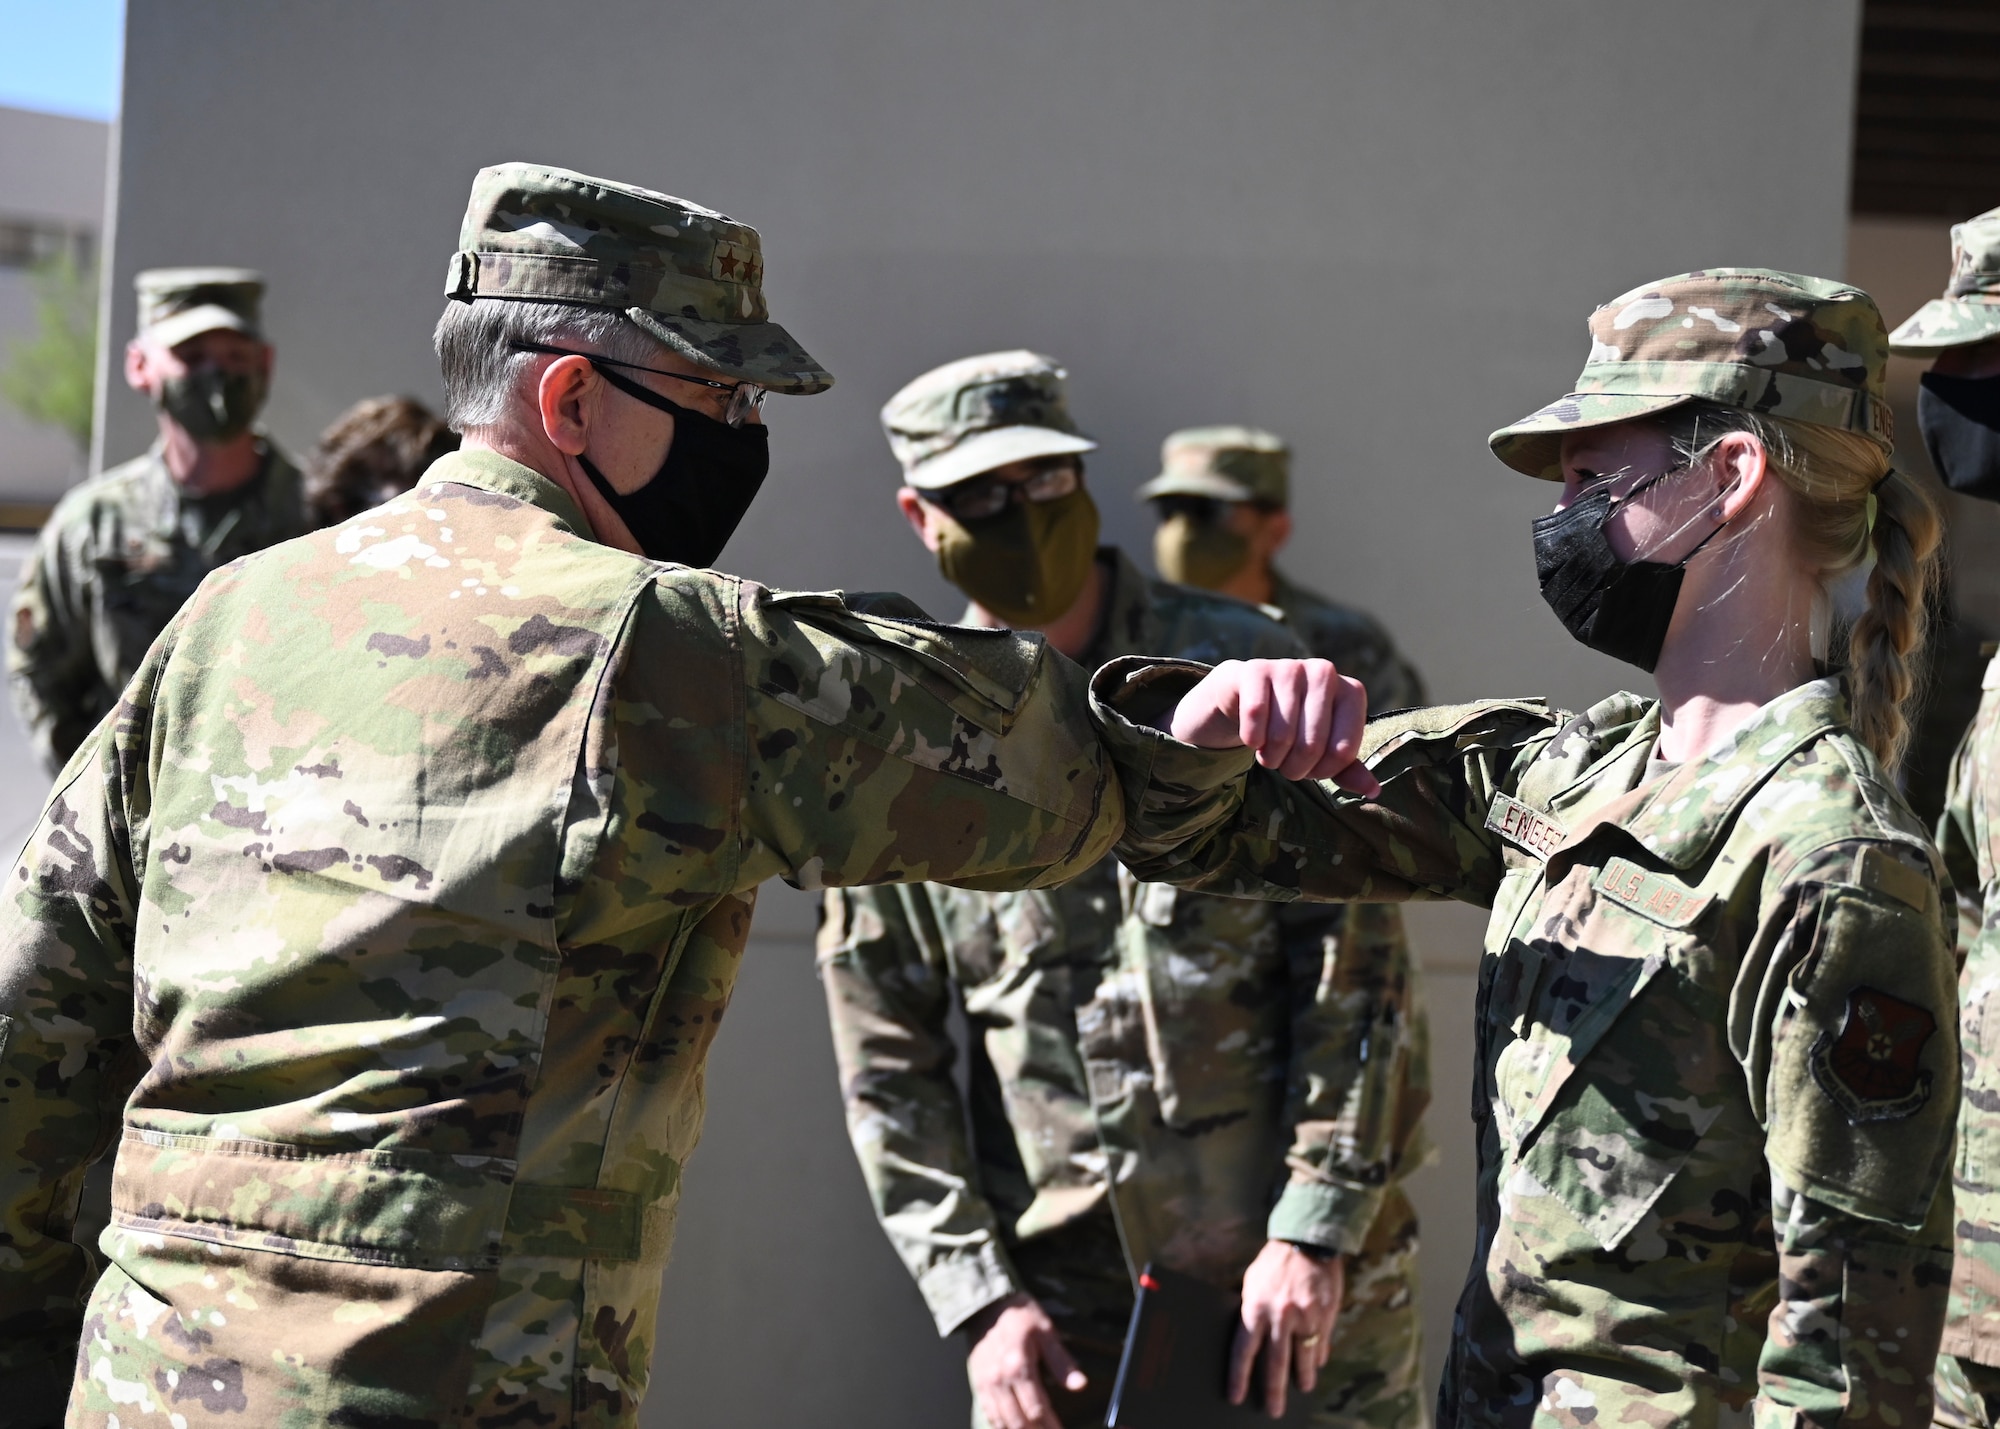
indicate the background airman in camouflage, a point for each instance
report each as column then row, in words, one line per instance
column 1223, row 497
column 397, row 906
column 1958, row 408
column 1717, row 1063
column 122, row 552
column 1157, row 1076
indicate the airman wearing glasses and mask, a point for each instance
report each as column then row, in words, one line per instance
column 1716, row 1056
column 394, row 909
column 120, row 554
column 1958, row 411
column 1227, row 1088
column 1223, row 497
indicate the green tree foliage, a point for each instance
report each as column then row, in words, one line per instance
column 49, row 377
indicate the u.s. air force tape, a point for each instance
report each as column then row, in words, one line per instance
column 1651, row 895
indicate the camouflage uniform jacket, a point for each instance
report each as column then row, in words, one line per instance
column 119, row 555
column 1179, row 1043
column 1354, row 640
column 1717, row 1061
column 394, row 912
column 1969, row 839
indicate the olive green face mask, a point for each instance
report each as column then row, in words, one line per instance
column 1028, row 564
column 1198, row 553
column 212, row 406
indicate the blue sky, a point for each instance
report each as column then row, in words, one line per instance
column 61, row 55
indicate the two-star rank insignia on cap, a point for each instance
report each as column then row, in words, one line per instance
column 1871, row 1070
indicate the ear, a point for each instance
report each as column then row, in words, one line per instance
column 566, row 397
column 1738, row 465
column 265, row 355
column 921, row 515
column 1277, row 531
column 137, row 370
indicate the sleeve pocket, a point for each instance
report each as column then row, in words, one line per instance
column 1865, row 1083
column 983, row 675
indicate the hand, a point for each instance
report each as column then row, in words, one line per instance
column 1290, row 1302
column 1012, row 1340
column 1302, row 717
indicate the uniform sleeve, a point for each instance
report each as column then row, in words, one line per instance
column 1211, row 820
column 51, row 669
column 1958, row 836
column 888, row 750
column 1358, row 1081
column 1852, row 1047
column 888, row 997
column 66, row 1030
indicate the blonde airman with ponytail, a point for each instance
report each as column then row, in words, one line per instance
column 1717, row 1060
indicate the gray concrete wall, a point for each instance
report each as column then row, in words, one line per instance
column 51, row 171
column 1374, row 226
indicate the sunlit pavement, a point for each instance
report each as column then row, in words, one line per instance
column 23, row 785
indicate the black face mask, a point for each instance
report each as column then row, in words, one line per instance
column 212, row 406
column 710, row 475
column 1621, row 608
column 1960, row 421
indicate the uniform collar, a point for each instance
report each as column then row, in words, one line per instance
column 172, row 500
column 1129, row 623
column 1283, row 589
column 1679, row 818
column 489, row 471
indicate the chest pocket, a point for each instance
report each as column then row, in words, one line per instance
column 1592, row 1101
column 136, row 597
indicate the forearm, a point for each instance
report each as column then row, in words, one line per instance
column 1355, row 1086
column 1208, row 820
column 1860, row 1310
column 51, row 673
column 66, row 1060
column 908, row 1136
column 888, row 1007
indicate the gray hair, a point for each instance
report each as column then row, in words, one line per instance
column 481, row 368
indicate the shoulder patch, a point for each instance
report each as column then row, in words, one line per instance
column 1884, row 873
column 1651, row 895
column 1540, row 834
column 1870, row 1070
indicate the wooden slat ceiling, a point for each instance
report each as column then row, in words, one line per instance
column 1927, row 118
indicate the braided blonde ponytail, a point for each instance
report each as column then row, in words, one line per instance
column 1890, row 632
column 1837, row 526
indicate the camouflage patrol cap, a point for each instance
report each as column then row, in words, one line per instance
column 979, row 413
column 689, row 276
column 1775, row 343
column 1224, row 464
column 176, row 304
column 1969, row 311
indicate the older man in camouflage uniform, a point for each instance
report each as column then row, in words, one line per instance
column 396, row 907
column 1225, row 1087
column 120, row 554
column 1223, row 497
column 1959, row 411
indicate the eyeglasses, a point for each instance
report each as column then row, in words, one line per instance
column 1199, row 510
column 984, row 497
column 744, row 397
column 1624, row 485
